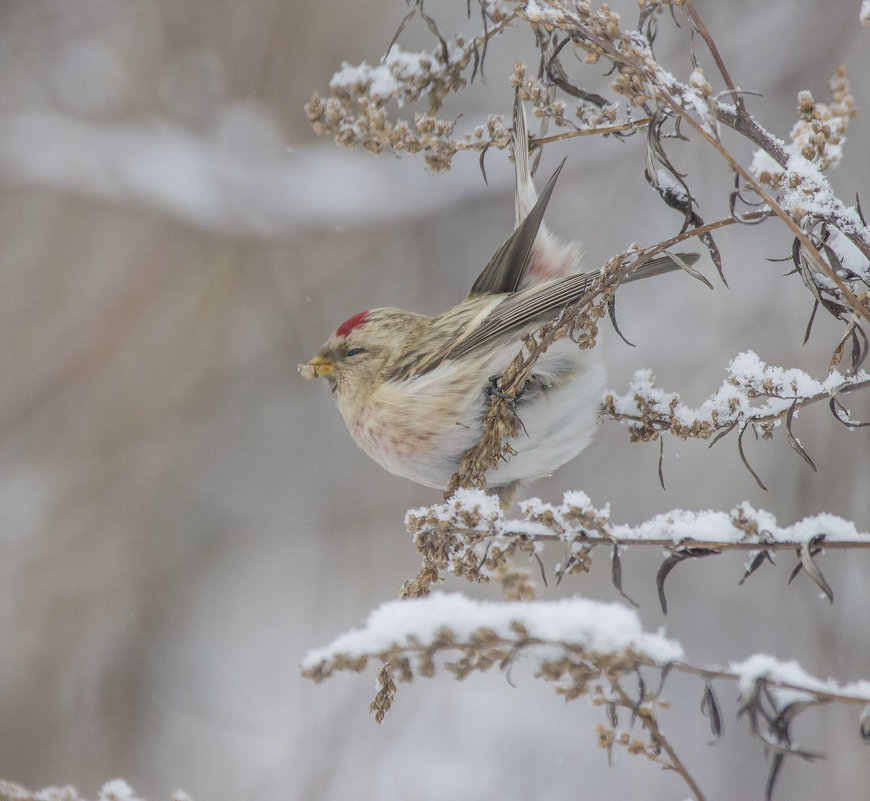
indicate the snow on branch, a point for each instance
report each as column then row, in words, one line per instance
column 585, row 648
column 754, row 394
column 607, row 632
column 469, row 536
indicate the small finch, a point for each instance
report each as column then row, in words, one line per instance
column 412, row 389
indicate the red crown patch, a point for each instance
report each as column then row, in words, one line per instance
column 352, row 322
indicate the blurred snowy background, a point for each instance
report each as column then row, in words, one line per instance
column 182, row 516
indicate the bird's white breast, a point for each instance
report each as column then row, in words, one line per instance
column 420, row 427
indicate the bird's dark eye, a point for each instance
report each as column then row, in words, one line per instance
column 355, row 352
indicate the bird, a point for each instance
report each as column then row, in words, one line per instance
column 412, row 388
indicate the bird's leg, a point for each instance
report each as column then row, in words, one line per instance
column 491, row 389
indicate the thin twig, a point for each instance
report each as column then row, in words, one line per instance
column 780, row 212
column 535, row 141
column 652, row 726
column 714, row 51
column 596, row 540
column 799, row 403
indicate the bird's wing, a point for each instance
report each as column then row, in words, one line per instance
column 522, row 310
column 533, row 306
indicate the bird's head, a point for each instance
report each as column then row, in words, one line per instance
column 362, row 352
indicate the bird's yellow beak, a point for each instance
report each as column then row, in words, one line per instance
column 321, row 364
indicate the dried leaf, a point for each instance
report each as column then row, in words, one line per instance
column 792, row 440
column 756, row 562
column 743, row 456
column 784, row 750
column 562, row 569
column 775, row 765
column 859, row 348
column 399, row 30
column 751, row 706
column 710, row 709
column 541, row 566
column 738, row 195
column 611, row 311
column 556, row 73
column 810, row 322
column 482, row 165
column 835, row 404
column 655, row 154
column 616, row 573
column 433, row 28
column 661, row 459
column 806, row 552
column 715, row 255
column 864, row 725
column 722, row 433
column 477, row 62
column 485, row 18
column 683, row 265
column 670, row 563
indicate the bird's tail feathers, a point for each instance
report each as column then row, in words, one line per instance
column 553, row 256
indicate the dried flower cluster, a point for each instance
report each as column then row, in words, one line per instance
column 356, row 112
column 819, row 132
column 357, row 109
column 592, row 115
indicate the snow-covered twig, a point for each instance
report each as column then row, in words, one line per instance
column 585, row 648
column 469, row 536
column 651, row 411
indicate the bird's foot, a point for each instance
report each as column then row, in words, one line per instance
column 492, row 390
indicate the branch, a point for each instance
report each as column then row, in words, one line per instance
column 470, row 537
column 860, row 240
column 714, row 51
column 648, row 719
column 651, row 411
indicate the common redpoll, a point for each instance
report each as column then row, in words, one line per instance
column 412, row 389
